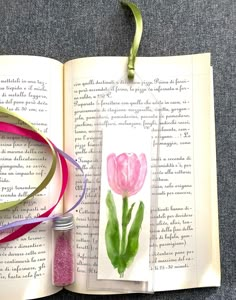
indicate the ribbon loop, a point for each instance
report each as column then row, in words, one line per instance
column 28, row 224
column 7, row 204
column 137, row 37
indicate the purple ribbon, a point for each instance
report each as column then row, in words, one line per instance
column 37, row 220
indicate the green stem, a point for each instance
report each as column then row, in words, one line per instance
column 124, row 225
column 123, row 243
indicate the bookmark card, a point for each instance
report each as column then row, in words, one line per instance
column 124, row 225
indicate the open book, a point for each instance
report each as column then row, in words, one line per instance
column 172, row 97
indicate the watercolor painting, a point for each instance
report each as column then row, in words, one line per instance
column 126, row 175
column 124, row 214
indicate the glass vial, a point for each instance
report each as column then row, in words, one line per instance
column 63, row 250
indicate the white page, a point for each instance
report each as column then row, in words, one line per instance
column 31, row 87
column 172, row 97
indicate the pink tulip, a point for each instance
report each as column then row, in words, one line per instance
column 126, row 173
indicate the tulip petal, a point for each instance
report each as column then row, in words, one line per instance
column 142, row 174
column 112, row 173
column 128, row 167
column 133, row 173
column 122, row 172
column 126, row 173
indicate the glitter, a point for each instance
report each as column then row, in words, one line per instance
column 63, row 261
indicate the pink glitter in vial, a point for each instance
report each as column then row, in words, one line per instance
column 63, row 261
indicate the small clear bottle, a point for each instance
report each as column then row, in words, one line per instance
column 63, row 250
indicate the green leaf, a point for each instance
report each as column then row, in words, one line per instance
column 129, row 214
column 121, row 266
column 112, row 233
column 133, row 236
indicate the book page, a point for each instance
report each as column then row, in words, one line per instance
column 170, row 96
column 31, row 87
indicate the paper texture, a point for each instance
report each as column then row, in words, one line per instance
column 172, row 98
column 126, row 160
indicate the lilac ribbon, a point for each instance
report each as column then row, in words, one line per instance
column 37, row 220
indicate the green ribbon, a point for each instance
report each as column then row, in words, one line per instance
column 47, row 179
column 137, row 37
